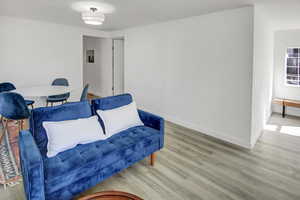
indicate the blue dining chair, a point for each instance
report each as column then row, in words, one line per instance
column 13, row 107
column 61, row 97
column 84, row 93
column 6, row 87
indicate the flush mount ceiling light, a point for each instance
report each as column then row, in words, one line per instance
column 93, row 12
column 93, row 17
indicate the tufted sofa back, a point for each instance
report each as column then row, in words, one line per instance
column 112, row 102
column 68, row 111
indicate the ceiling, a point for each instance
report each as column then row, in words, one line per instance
column 130, row 13
column 283, row 15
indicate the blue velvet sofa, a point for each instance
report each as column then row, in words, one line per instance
column 77, row 169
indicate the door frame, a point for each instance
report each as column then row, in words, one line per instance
column 113, row 61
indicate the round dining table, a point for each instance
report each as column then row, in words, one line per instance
column 40, row 93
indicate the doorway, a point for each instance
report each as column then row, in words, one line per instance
column 103, row 65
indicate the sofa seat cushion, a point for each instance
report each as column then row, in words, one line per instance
column 87, row 159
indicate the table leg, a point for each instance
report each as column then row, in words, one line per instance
column 152, row 159
column 283, row 111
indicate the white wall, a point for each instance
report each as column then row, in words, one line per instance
column 196, row 72
column 35, row 53
column 283, row 40
column 98, row 74
column 262, row 74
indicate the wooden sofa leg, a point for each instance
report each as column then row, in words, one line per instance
column 152, row 159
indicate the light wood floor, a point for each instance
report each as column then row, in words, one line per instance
column 194, row 166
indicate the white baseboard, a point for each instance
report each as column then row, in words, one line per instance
column 221, row 136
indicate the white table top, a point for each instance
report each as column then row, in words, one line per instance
column 42, row 91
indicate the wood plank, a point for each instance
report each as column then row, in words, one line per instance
column 287, row 102
column 278, row 101
column 292, row 103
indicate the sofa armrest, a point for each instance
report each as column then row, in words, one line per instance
column 152, row 120
column 32, row 167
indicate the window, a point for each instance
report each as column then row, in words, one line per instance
column 293, row 67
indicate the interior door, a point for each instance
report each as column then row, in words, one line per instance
column 118, row 66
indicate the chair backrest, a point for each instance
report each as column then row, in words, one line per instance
column 84, row 93
column 60, row 81
column 6, row 87
column 13, row 106
column 68, row 111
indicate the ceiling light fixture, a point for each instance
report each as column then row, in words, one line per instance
column 93, row 17
column 93, row 12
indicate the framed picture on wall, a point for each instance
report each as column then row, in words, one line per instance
column 90, row 56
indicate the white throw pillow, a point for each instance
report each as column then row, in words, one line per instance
column 64, row 135
column 119, row 119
